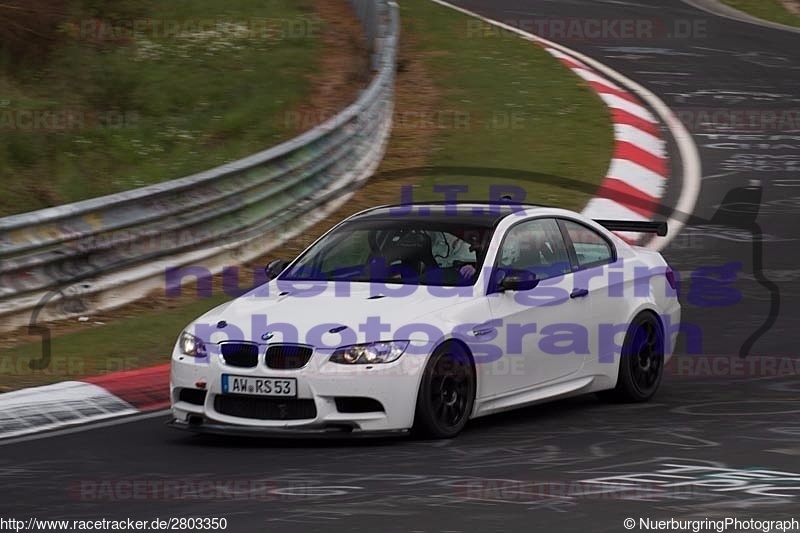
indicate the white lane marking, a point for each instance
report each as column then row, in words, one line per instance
column 654, row 73
column 629, row 4
column 646, row 141
column 690, row 159
column 85, row 427
column 716, row 176
column 697, row 409
column 638, row 177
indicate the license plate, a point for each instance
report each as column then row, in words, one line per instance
column 282, row 387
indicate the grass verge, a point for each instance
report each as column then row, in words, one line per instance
column 773, row 10
column 110, row 108
column 523, row 110
column 520, row 110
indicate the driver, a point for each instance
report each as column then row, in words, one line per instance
column 467, row 272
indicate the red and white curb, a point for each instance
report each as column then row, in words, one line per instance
column 69, row 403
column 635, row 182
column 637, row 177
column 628, row 193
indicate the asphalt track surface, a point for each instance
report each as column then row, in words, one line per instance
column 720, row 440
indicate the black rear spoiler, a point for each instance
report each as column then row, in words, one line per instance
column 659, row 228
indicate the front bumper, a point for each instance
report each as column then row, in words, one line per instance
column 392, row 386
column 344, row 431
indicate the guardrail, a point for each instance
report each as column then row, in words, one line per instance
column 104, row 252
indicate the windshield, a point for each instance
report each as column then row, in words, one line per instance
column 401, row 252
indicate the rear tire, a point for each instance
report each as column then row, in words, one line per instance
column 446, row 395
column 641, row 365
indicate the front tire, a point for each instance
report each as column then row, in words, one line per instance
column 641, row 365
column 446, row 395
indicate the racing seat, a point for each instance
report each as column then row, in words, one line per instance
column 407, row 254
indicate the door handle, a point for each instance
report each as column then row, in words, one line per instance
column 579, row 293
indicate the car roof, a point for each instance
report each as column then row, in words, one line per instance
column 485, row 214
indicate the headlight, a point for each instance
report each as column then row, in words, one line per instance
column 191, row 345
column 368, row 354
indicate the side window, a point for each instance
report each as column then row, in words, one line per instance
column 536, row 246
column 590, row 247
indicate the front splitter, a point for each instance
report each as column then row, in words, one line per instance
column 343, row 431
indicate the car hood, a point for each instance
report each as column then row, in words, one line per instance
column 359, row 312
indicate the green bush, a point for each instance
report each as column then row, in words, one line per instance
column 30, row 28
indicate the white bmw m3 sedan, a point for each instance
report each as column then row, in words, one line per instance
column 423, row 316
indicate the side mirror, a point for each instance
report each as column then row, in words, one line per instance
column 275, row 268
column 518, row 283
